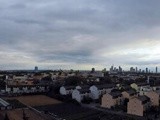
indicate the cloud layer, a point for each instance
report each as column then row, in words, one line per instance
column 79, row 34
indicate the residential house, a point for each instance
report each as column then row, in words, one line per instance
column 123, row 87
column 20, row 77
column 111, row 99
column 15, row 89
column 129, row 94
column 66, row 90
column 138, row 86
column 154, row 97
column 145, row 89
column 79, row 94
column 137, row 106
column 98, row 90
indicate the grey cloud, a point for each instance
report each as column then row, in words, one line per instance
column 18, row 6
column 48, row 30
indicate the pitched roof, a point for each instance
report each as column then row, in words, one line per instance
column 84, row 86
column 142, row 84
column 69, row 87
column 105, row 86
column 82, row 91
column 131, row 92
column 115, row 94
column 144, row 99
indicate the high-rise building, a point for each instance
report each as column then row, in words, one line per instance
column 120, row 69
column 36, row 69
column 149, row 71
column 111, row 69
column 132, row 69
column 146, row 70
column 156, row 69
column 136, row 69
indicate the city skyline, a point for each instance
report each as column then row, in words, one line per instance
column 79, row 34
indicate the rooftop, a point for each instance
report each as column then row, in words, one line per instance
column 115, row 94
column 105, row 86
column 144, row 99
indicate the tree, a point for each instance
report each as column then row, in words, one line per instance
column 93, row 70
column 73, row 80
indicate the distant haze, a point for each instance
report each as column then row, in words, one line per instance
column 79, row 34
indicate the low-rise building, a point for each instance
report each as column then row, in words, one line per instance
column 139, row 86
column 137, row 106
column 98, row 90
column 111, row 99
column 145, row 89
column 15, row 89
column 129, row 94
column 66, row 90
column 79, row 94
column 154, row 97
column 20, row 77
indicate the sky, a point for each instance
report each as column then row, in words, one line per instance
column 79, row 34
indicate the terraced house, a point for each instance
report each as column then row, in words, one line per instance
column 111, row 99
column 138, row 105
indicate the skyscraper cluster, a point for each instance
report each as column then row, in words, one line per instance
column 132, row 69
column 114, row 69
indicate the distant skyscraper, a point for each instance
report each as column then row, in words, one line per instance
column 156, row 69
column 140, row 70
column 146, row 70
column 120, row 69
column 136, row 69
column 143, row 71
column 111, row 69
column 132, row 69
column 36, row 69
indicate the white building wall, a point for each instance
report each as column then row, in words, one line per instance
column 15, row 90
column 8, row 90
column 25, row 89
column 76, row 95
column 63, row 91
column 94, row 92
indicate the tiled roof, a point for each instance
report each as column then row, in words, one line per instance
column 131, row 92
column 105, row 86
column 144, row 99
column 69, row 87
column 84, row 91
column 115, row 94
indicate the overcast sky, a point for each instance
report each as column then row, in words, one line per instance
column 79, row 34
